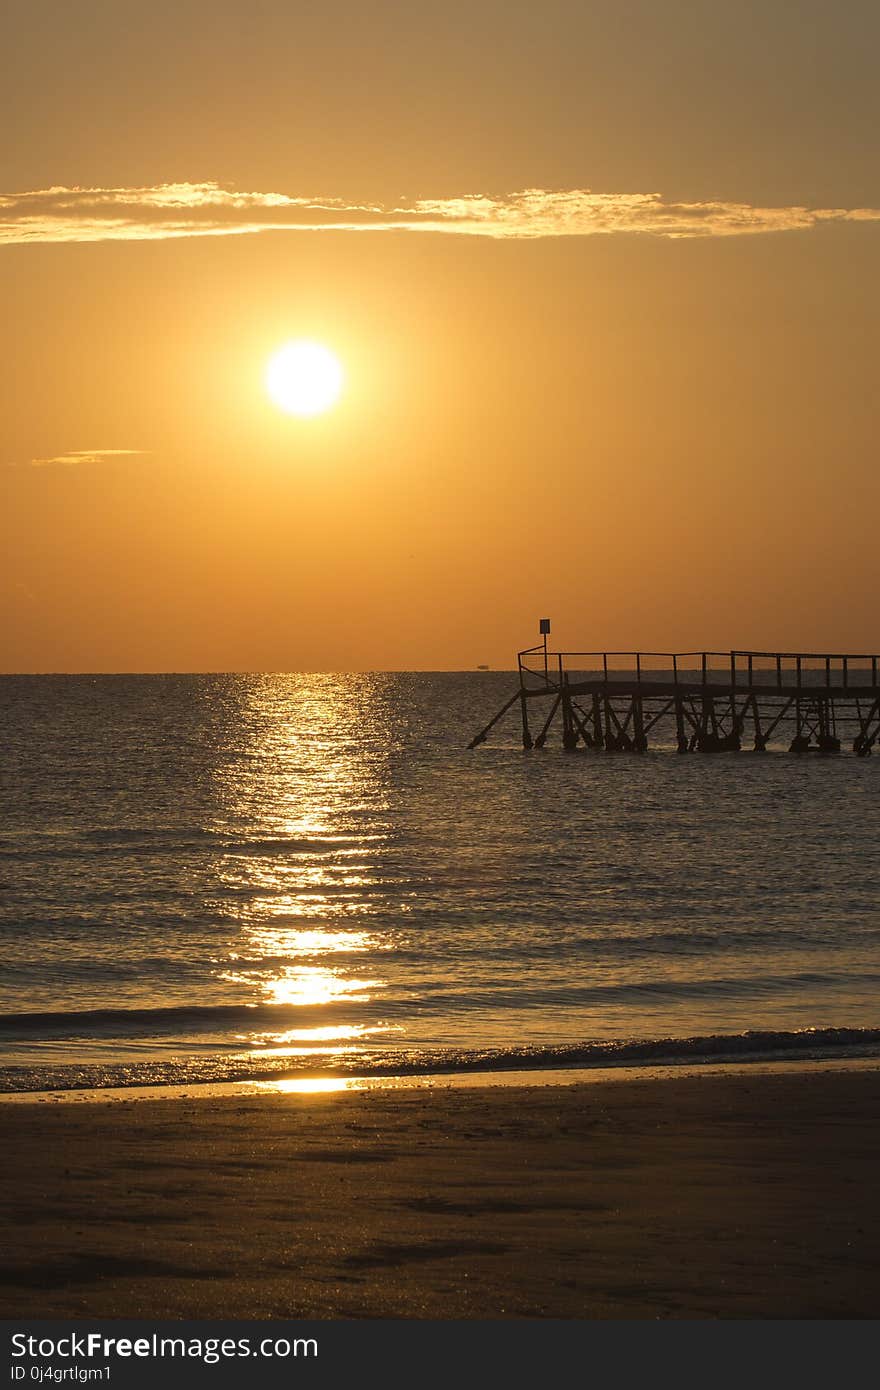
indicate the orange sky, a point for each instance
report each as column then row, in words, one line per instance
column 653, row 417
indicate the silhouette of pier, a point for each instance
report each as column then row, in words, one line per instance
column 706, row 702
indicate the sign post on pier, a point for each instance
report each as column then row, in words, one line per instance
column 545, row 629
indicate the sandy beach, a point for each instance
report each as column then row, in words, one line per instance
column 741, row 1195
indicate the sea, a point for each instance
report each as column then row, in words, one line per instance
column 217, row 878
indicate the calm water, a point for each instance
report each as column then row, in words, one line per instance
column 210, row 877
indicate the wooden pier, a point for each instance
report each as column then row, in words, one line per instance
column 706, row 702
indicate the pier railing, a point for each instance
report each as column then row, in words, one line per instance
column 785, row 671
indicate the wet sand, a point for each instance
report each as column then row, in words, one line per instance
column 737, row 1195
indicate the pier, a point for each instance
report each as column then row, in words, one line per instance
column 703, row 702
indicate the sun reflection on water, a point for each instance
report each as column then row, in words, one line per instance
column 310, row 1085
column 305, row 824
column 305, row 984
column 270, row 941
column 341, row 1033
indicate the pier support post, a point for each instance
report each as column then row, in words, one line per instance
column 610, row 738
column 526, row 732
column 619, row 740
column 827, row 738
column 569, row 732
column 801, row 742
column 542, row 736
column 760, row 736
column 866, row 738
column 640, row 742
column 707, row 736
column 481, row 737
column 598, row 734
column 580, row 724
column 679, row 725
column 733, row 741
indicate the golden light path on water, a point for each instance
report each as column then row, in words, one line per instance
column 312, row 797
column 310, row 1085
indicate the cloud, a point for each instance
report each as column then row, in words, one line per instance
column 84, row 456
column 174, row 210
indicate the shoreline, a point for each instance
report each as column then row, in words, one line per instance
column 525, row 1078
column 734, row 1193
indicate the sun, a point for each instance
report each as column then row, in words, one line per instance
column 304, row 378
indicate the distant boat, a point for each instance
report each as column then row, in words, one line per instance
column 482, row 668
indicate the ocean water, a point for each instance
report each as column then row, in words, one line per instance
column 213, row 877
